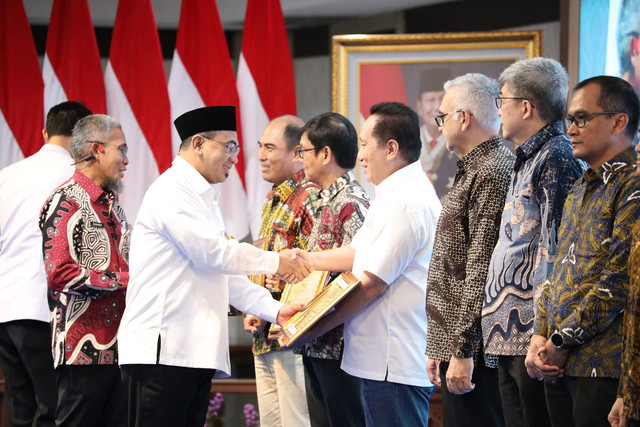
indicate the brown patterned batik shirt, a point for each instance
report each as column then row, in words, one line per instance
column 465, row 237
column 630, row 377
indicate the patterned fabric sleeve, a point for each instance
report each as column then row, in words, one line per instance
column 486, row 205
column 66, row 235
column 629, row 387
column 556, row 177
column 606, row 299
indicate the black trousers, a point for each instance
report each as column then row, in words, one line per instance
column 527, row 402
column 90, row 395
column 30, row 385
column 479, row 407
column 333, row 396
column 592, row 399
column 170, row 396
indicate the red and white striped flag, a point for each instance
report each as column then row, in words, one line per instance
column 21, row 86
column 71, row 69
column 197, row 80
column 137, row 96
column 266, row 87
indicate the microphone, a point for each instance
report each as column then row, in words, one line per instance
column 86, row 159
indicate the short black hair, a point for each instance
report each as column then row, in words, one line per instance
column 333, row 130
column 63, row 117
column 399, row 122
column 292, row 134
column 618, row 95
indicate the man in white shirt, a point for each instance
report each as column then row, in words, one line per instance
column 25, row 337
column 185, row 270
column 385, row 319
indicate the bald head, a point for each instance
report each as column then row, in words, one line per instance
column 290, row 127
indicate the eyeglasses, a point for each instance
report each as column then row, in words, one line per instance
column 500, row 100
column 124, row 148
column 302, row 150
column 231, row 147
column 581, row 119
column 441, row 118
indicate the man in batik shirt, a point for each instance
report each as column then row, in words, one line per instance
column 465, row 235
column 329, row 147
column 287, row 220
column 544, row 172
column 578, row 326
column 86, row 250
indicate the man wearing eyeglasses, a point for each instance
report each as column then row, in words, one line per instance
column 531, row 104
column 25, row 335
column 185, row 271
column 578, row 324
column 85, row 244
column 465, row 235
column 287, row 220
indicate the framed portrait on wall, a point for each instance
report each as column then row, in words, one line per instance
column 367, row 69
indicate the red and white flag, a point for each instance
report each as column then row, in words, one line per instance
column 137, row 95
column 266, row 87
column 197, row 80
column 21, row 86
column 71, row 68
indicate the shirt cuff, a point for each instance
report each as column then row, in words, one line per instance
column 271, row 262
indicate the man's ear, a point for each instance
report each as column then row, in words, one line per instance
column 326, row 154
column 527, row 109
column 197, row 141
column 621, row 122
column 393, row 149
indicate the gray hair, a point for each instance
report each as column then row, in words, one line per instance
column 543, row 81
column 96, row 127
column 477, row 93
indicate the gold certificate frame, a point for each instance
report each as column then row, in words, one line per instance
column 301, row 293
column 339, row 288
column 367, row 69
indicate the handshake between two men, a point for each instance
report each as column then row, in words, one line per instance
column 295, row 265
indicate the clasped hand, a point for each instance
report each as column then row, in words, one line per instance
column 294, row 265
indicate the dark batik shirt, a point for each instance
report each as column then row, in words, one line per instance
column 465, row 236
column 287, row 221
column 85, row 244
column 630, row 377
column 544, row 172
column 587, row 290
column 341, row 210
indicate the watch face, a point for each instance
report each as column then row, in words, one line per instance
column 557, row 340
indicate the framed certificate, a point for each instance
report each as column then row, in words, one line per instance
column 320, row 305
column 301, row 293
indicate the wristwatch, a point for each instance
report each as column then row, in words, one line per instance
column 558, row 340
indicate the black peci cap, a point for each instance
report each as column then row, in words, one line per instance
column 206, row 119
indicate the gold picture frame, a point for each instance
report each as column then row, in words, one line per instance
column 367, row 69
column 322, row 304
column 301, row 293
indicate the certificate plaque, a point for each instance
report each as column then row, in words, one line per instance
column 301, row 293
column 302, row 321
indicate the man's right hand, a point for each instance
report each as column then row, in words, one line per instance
column 292, row 266
column 433, row 371
column 535, row 361
column 253, row 324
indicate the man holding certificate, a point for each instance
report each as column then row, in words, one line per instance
column 328, row 148
column 385, row 320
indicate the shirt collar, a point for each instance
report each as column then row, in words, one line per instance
column 56, row 148
column 195, row 179
column 532, row 145
column 332, row 191
column 284, row 190
column 611, row 167
column 470, row 159
column 396, row 179
column 92, row 189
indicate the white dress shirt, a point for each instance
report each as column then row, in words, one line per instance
column 182, row 270
column 24, row 187
column 388, row 339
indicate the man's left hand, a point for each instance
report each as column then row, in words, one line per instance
column 287, row 311
column 553, row 356
column 459, row 375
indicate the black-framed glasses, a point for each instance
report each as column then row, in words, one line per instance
column 231, row 147
column 440, row 118
column 302, row 150
column 581, row 119
column 124, row 148
column 500, row 100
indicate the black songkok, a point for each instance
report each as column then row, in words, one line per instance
column 206, row 119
